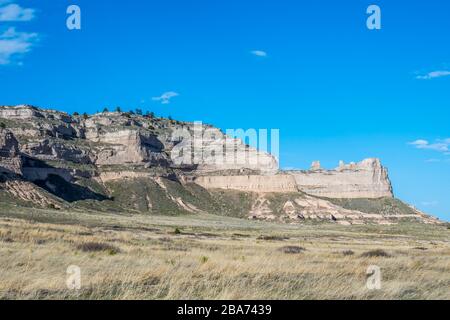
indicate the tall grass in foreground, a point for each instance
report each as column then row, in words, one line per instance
column 150, row 261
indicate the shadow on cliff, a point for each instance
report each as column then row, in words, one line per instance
column 56, row 184
column 67, row 191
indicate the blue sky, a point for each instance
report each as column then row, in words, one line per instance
column 336, row 90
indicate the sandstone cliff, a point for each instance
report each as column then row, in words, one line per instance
column 123, row 161
column 367, row 179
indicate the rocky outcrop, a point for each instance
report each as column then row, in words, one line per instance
column 56, row 150
column 29, row 192
column 309, row 208
column 9, row 147
column 22, row 112
column 209, row 150
column 10, row 160
column 366, row 179
column 114, row 138
column 130, row 146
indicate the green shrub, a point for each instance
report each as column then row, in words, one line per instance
column 98, row 247
column 348, row 253
column 375, row 253
column 204, row 259
column 292, row 249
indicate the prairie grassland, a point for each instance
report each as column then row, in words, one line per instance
column 213, row 257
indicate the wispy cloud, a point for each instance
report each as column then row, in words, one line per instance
column 438, row 145
column 259, row 53
column 15, row 44
column 165, row 97
column 433, row 75
column 11, row 12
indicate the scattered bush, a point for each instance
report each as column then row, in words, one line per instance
column 292, row 249
column 150, row 115
column 177, row 231
column 7, row 239
column 274, row 238
column 52, row 206
column 97, row 247
column 375, row 253
column 204, row 259
column 2, row 125
column 348, row 253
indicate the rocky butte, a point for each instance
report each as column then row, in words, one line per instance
column 124, row 162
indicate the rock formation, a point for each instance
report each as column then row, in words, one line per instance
column 367, row 179
column 125, row 161
column 10, row 160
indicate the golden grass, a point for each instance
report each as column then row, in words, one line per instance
column 216, row 258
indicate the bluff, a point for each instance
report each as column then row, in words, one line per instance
column 121, row 161
column 367, row 179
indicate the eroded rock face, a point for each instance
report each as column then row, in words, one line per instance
column 9, row 146
column 55, row 150
column 10, row 160
column 208, row 150
column 366, row 179
column 22, row 112
column 130, row 146
column 113, row 138
column 251, row 183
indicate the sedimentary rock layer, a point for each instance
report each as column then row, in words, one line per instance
column 367, row 179
column 252, row 183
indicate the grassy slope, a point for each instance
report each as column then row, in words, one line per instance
column 384, row 206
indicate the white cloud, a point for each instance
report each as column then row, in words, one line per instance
column 165, row 97
column 434, row 74
column 419, row 143
column 259, row 53
column 13, row 44
column 438, row 145
column 14, row 12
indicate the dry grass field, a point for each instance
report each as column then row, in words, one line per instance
column 213, row 257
